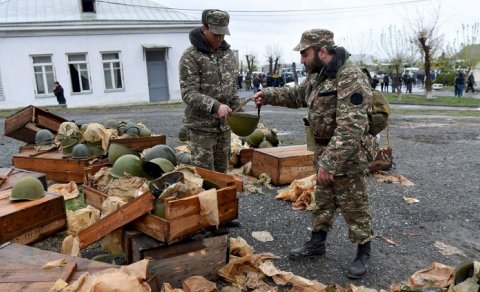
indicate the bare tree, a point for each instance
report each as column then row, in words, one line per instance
column 273, row 55
column 425, row 37
column 397, row 50
column 360, row 49
column 465, row 47
column 251, row 62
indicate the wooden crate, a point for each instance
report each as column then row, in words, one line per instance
column 29, row 221
column 246, row 155
column 174, row 263
column 182, row 216
column 283, row 164
column 55, row 164
column 13, row 174
column 24, row 124
column 141, row 143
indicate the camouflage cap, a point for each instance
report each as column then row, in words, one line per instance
column 217, row 21
column 315, row 37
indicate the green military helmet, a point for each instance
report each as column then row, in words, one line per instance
column 463, row 272
column 128, row 163
column 144, row 132
column 272, row 138
column 183, row 157
column 159, row 210
column 68, row 143
column 27, row 188
column 242, row 124
column 132, row 130
column 116, row 151
column 122, row 126
column 44, row 137
column 111, row 124
column 164, row 164
column 183, row 134
column 265, row 144
column 96, row 148
column 161, row 151
column 81, row 151
column 256, row 137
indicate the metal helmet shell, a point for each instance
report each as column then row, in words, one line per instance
column 256, row 137
column 183, row 157
column 144, row 132
column 265, row 144
column 128, row 163
column 164, row 164
column 242, row 124
column 183, row 134
column 161, row 151
column 27, row 188
column 111, row 124
column 272, row 138
column 81, row 151
column 132, row 130
column 44, row 137
column 116, row 151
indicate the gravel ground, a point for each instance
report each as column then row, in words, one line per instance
column 439, row 156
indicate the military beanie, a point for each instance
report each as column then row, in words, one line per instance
column 216, row 20
column 315, row 37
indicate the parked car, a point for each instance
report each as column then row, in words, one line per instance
column 292, row 84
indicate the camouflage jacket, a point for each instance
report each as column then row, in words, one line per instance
column 337, row 113
column 207, row 80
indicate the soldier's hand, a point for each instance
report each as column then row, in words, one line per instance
column 324, row 177
column 259, row 98
column 223, row 111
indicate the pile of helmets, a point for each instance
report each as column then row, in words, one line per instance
column 258, row 139
column 27, row 188
column 68, row 136
column 157, row 160
column 128, row 128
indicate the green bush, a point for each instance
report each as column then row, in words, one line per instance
column 446, row 78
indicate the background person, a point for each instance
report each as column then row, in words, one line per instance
column 58, row 91
column 338, row 97
column 208, row 86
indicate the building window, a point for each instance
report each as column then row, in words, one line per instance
column 112, row 71
column 2, row 95
column 44, row 75
column 88, row 6
column 78, row 67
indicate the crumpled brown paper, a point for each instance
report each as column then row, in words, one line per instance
column 113, row 241
column 96, row 132
column 68, row 190
column 394, row 178
column 180, row 190
column 126, row 278
column 71, row 246
column 129, row 187
column 301, row 192
column 81, row 219
column 102, row 179
column 209, row 207
column 190, row 175
column 54, row 264
column 436, row 275
column 198, row 284
column 167, row 287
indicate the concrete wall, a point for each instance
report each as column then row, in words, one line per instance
column 17, row 76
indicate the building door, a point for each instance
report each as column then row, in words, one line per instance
column 157, row 75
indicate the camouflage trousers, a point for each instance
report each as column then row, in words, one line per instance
column 210, row 150
column 349, row 194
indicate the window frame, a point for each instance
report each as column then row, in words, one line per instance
column 75, row 63
column 112, row 70
column 48, row 87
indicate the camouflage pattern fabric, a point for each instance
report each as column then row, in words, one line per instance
column 207, row 80
column 210, row 150
column 217, row 21
column 315, row 37
column 337, row 113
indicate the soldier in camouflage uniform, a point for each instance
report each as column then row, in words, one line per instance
column 337, row 96
column 209, row 88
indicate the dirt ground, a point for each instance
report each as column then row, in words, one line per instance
column 440, row 156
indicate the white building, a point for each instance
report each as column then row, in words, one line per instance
column 103, row 52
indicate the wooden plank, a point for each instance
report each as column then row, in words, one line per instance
column 128, row 235
column 246, row 156
column 41, row 232
column 20, row 217
column 141, row 143
column 177, row 262
column 125, row 214
column 221, row 179
column 22, row 257
column 153, row 226
column 94, row 197
column 38, row 274
column 17, row 174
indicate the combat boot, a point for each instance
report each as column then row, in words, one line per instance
column 314, row 247
column 359, row 265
